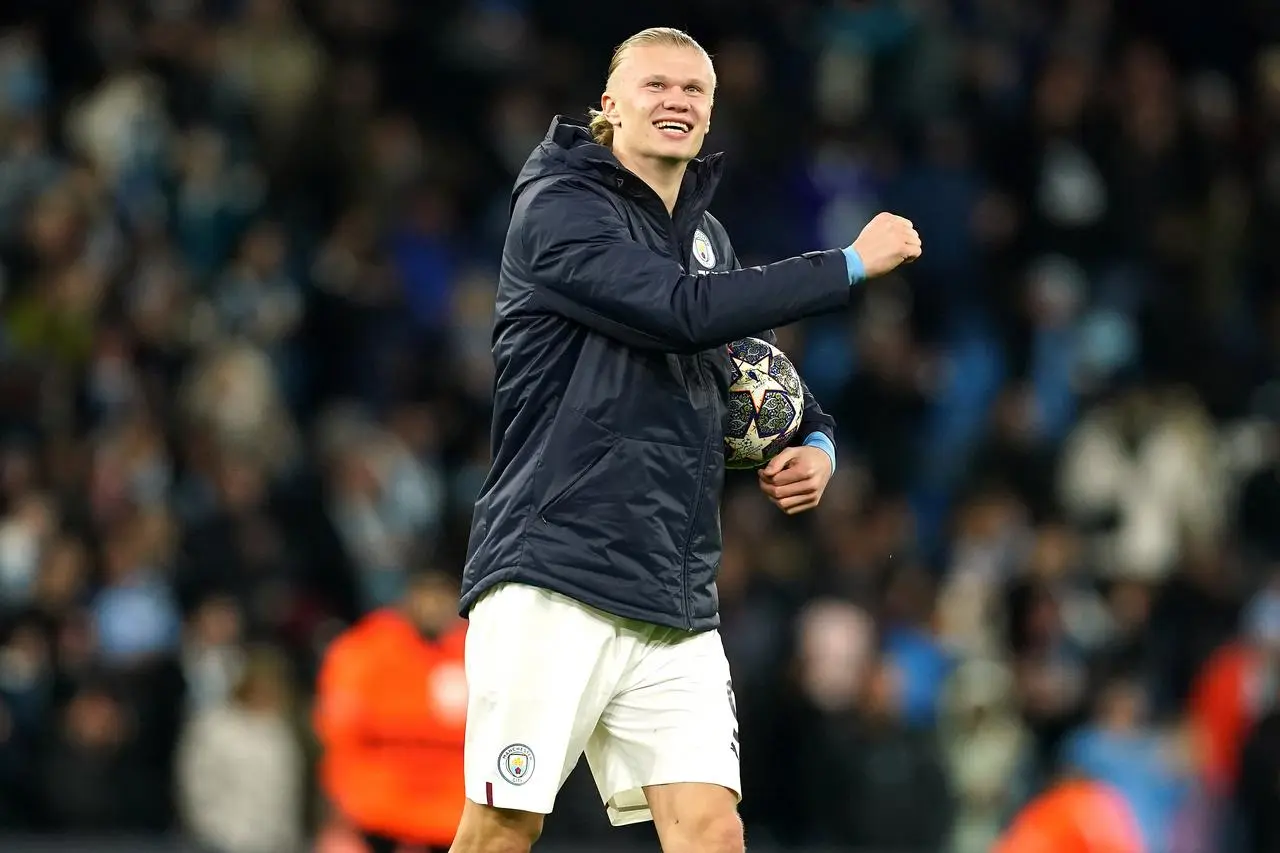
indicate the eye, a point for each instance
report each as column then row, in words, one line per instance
column 655, row 84
column 696, row 90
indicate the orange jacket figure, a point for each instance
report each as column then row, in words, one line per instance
column 391, row 716
column 1074, row 817
column 1221, row 712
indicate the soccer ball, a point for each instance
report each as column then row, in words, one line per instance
column 766, row 402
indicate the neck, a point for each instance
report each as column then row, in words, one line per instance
column 664, row 177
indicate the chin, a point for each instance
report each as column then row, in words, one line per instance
column 676, row 152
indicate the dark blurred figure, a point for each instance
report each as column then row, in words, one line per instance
column 1259, row 501
column 1258, row 794
column 27, row 684
column 1016, row 455
column 91, row 778
column 1053, row 618
column 1196, row 613
column 892, row 383
column 874, row 783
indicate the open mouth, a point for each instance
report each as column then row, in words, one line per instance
column 674, row 128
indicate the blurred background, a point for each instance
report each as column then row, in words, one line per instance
column 247, row 260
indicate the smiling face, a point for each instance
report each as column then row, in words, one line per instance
column 659, row 102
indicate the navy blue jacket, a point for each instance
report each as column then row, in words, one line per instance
column 612, row 321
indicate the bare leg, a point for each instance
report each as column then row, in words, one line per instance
column 695, row 817
column 485, row 829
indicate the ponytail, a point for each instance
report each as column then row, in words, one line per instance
column 601, row 128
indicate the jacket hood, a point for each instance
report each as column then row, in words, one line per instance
column 568, row 149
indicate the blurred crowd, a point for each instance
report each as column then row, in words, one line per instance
column 247, row 258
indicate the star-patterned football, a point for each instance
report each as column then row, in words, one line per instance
column 766, row 402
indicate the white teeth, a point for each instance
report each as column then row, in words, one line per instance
column 673, row 125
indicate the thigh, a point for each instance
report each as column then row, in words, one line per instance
column 673, row 721
column 537, row 679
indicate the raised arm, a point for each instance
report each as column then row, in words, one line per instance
column 584, row 265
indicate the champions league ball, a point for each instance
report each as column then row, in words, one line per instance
column 766, row 402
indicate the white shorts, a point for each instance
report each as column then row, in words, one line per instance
column 550, row 678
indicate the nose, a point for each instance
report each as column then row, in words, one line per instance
column 676, row 101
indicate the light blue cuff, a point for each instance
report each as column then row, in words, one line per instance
column 819, row 439
column 853, row 262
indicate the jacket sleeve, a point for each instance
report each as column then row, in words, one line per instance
column 813, row 419
column 584, row 265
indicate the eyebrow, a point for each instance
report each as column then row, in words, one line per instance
column 662, row 78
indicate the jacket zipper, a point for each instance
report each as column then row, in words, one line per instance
column 673, row 240
column 688, row 537
column 698, row 378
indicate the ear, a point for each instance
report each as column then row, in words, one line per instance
column 609, row 106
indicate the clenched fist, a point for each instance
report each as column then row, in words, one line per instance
column 885, row 243
column 796, row 478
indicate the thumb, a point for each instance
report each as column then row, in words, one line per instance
column 780, row 461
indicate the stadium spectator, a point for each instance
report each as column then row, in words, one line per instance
column 987, row 750
column 1074, row 816
column 240, row 766
column 392, row 761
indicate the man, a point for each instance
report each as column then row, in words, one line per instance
column 391, row 717
column 596, row 537
column 1074, row 816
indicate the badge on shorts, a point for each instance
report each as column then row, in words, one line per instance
column 516, row 763
column 702, row 250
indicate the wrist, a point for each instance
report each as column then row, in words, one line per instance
column 853, row 263
column 820, row 441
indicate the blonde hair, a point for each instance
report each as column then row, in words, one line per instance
column 601, row 127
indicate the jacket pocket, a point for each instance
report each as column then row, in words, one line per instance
column 619, row 528
column 577, row 448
